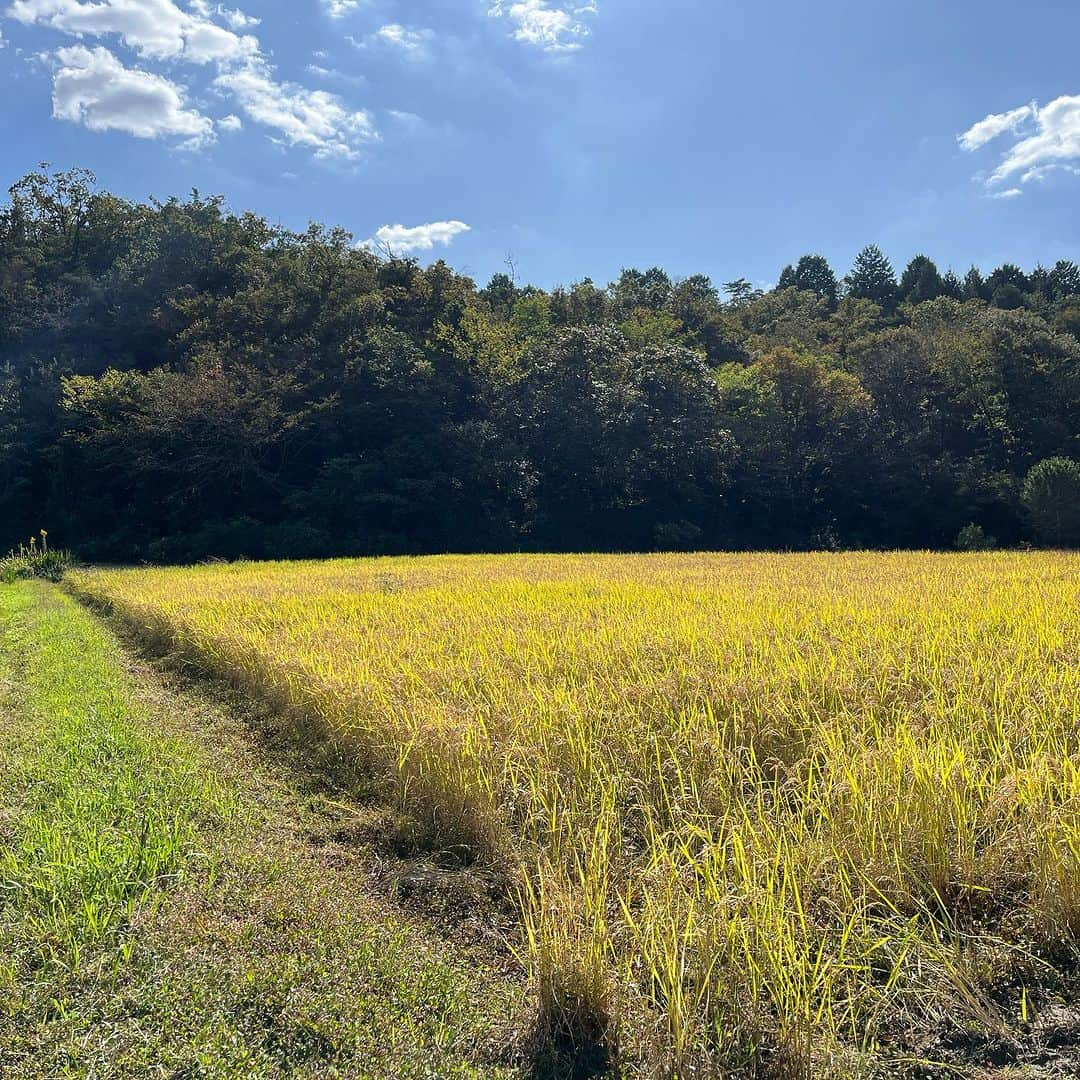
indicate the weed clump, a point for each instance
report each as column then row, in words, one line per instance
column 35, row 559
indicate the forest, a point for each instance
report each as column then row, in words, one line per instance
column 181, row 382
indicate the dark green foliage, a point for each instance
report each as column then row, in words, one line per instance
column 1051, row 496
column 1068, row 318
column 179, row 382
column 1008, row 275
column 873, row 278
column 952, row 286
column 1064, row 280
column 974, row 287
column 739, row 291
column 803, row 428
column 921, row 281
column 811, row 274
column 974, row 538
column 625, row 450
column 1008, row 297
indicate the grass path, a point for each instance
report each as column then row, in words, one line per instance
column 173, row 902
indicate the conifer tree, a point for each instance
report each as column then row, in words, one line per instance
column 873, row 278
column 921, row 281
column 974, row 285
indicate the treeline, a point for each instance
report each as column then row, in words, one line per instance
column 180, row 382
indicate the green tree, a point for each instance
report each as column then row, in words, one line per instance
column 620, row 443
column 180, row 380
column 918, row 492
column 1064, row 280
column 646, row 327
column 802, row 426
column 707, row 324
column 1008, row 286
column 952, row 286
column 1051, row 496
column 812, row 274
column 1008, row 297
column 921, row 281
column 489, row 348
column 531, row 316
column 873, row 278
column 640, row 289
column 974, row 287
column 583, row 304
column 853, row 320
column 1068, row 318
column 973, row 537
column 785, row 317
column 1008, row 274
column 209, row 444
column 501, row 294
column 739, row 291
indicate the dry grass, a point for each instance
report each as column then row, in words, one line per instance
column 780, row 811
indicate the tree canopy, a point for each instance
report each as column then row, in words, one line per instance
column 179, row 381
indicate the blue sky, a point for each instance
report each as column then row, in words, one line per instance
column 577, row 136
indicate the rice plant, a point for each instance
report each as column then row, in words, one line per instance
column 777, row 812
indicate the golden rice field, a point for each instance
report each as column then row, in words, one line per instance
column 790, row 812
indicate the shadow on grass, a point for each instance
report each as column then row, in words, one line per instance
column 571, row 1063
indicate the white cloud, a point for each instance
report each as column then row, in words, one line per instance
column 233, row 17
column 1041, row 172
column 1048, row 139
column 537, row 22
column 334, row 75
column 312, row 118
column 403, row 240
column 1010, row 193
column 1056, row 140
column 338, row 9
column 994, row 125
column 406, row 119
column 91, row 87
column 400, row 37
column 162, row 30
column 156, row 29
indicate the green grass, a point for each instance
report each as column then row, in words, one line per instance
column 170, row 903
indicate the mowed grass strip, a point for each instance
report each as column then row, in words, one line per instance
column 818, row 815
column 162, row 910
